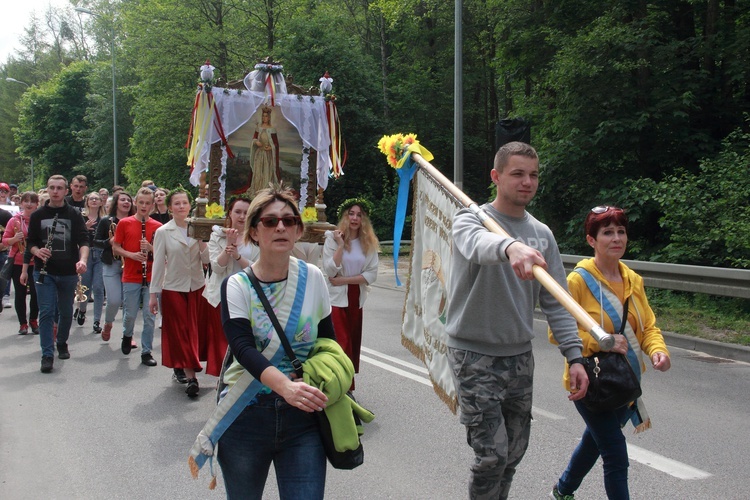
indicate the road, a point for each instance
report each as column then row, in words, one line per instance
column 104, row 426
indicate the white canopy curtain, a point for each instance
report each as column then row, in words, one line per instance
column 306, row 113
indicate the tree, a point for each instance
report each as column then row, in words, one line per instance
column 51, row 117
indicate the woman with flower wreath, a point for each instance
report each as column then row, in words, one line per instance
column 350, row 261
column 229, row 254
column 178, row 275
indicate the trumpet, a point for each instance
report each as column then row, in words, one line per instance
column 48, row 246
column 112, row 230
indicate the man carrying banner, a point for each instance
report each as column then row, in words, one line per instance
column 490, row 321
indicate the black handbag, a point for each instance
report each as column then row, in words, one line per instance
column 612, row 381
column 348, row 459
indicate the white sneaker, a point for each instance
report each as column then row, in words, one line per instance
column 6, row 301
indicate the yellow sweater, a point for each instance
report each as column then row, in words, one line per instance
column 640, row 315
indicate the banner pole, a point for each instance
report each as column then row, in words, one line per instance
column 606, row 341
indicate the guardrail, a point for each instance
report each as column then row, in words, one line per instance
column 710, row 280
column 722, row 281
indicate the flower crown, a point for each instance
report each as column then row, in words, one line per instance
column 362, row 202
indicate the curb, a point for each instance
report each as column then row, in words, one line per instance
column 711, row 347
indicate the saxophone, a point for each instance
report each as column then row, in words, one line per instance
column 48, row 246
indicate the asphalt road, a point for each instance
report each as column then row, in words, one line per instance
column 103, row 425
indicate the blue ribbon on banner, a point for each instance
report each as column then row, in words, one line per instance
column 405, row 175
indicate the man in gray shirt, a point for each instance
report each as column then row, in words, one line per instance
column 490, row 321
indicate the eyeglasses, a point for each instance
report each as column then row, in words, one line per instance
column 602, row 209
column 273, row 221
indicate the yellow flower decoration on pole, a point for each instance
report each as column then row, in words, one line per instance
column 214, row 211
column 398, row 149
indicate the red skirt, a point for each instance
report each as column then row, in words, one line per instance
column 347, row 323
column 216, row 341
column 179, row 329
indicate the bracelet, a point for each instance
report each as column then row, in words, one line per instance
column 239, row 257
column 575, row 361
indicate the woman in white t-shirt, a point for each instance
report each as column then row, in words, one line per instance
column 229, row 254
column 350, row 261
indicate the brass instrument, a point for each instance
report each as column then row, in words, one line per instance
column 81, row 290
column 112, row 230
column 22, row 242
column 48, row 246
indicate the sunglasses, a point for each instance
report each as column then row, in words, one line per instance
column 273, row 221
column 603, row 209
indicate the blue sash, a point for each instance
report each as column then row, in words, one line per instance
column 610, row 310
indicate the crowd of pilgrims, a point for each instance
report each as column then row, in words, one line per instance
column 141, row 260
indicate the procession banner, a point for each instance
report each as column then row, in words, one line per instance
column 423, row 324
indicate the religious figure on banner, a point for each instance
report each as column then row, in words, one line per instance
column 264, row 154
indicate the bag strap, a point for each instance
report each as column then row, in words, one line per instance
column 624, row 316
column 272, row 316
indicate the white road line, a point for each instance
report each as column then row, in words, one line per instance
column 397, row 371
column 552, row 416
column 664, row 464
column 641, row 455
column 416, row 368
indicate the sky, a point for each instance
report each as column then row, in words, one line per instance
column 16, row 15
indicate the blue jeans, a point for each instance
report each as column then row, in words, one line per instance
column 55, row 296
column 603, row 436
column 112, row 278
column 273, row 431
column 93, row 280
column 132, row 294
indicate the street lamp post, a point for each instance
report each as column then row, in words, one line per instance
column 9, row 79
column 114, row 91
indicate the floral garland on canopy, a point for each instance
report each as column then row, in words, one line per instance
column 398, row 149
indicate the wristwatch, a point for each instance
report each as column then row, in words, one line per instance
column 575, row 360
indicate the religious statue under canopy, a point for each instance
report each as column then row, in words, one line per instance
column 264, row 154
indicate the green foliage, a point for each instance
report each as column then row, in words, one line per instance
column 50, row 119
column 706, row 213
column 723, row 319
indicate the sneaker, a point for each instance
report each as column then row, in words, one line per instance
column 107, row 331
column 34, row 324
column 6, row 301
column 81, row 317
column 47, row 362
column 62, row 351
column 147, row 359
column 127, row 345
column 75, row 314
column 97, row 328
column 179, row 376
column 559, row 496
column 192, row 388
column 24, row 330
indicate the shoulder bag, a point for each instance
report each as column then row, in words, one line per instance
column 348, row 459
column 612, row 382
